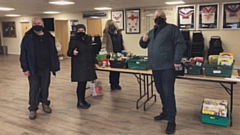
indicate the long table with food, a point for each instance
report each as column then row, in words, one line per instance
column 145, row 80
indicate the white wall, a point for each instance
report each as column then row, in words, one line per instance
column 230, row 38
column 13, row 43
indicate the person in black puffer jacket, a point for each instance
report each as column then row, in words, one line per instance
column 83, row 63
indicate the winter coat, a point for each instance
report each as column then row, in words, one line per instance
column 83, row 64
column 165, row 48
column 27, row 53
column 107, row 42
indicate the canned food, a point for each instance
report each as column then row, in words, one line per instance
column 104, row 64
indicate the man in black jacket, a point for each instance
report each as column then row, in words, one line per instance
column 38, row 59
column 166, row 46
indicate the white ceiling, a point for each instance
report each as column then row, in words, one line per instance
column 37, row 7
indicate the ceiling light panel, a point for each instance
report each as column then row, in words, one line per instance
column 6, row 9
column 12, row 15
column 61, row 2
column 102, row 8
column 51, row 12
column 175, row 2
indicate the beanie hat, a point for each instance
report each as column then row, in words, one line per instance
column 80, row 26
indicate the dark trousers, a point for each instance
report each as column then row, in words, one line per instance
column 81, row 90
column 164, row 82
column 39, row 87
column 114, row 78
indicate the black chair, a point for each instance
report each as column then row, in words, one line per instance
column 197, row 48
column 215, row 46
column 197, row 36
column 186, row 35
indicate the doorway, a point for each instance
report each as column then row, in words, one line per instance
column 25, row 26
column 62, row 35
column 94, row 27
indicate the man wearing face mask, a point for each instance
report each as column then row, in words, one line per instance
column 113, row 42
column 165, row 50
column 38, row 59
column 83, row 63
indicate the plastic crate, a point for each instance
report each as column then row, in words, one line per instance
column 215, row 120
column 138, row 63
column 118, row 64
column 218, row 70
column 194, row 70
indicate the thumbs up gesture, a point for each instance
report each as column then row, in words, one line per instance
column 145, row 37
column 75, row 52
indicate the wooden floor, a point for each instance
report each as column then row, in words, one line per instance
column 112, row 114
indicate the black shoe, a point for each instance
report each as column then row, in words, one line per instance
column 171, row 127
column 118, row 87
column 161, row 117
column 83, row 106
column 86, row 103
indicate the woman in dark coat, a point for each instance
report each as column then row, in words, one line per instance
column 83, row 63
column 113, row 42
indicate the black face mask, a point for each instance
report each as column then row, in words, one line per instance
column 37, row 28
column 112, row 28
column 159, row 20
column 80, row 34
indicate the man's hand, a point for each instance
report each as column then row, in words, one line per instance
column 177, row 66
column 27, row 73
column 75, row 52
column 145, row 37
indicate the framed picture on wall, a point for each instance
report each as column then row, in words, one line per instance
column 208, row 16
column 9, row 29
column 186, row 17
column 133, row 19
column 231, row 15
column 118, row 17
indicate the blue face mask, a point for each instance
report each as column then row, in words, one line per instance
column 37, row 28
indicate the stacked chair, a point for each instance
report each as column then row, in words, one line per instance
column 215, row 46
column 186, row 36
column 197, row 49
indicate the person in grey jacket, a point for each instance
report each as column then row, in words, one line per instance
column 166, row 46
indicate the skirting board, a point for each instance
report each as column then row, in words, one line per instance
column 14, row 53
